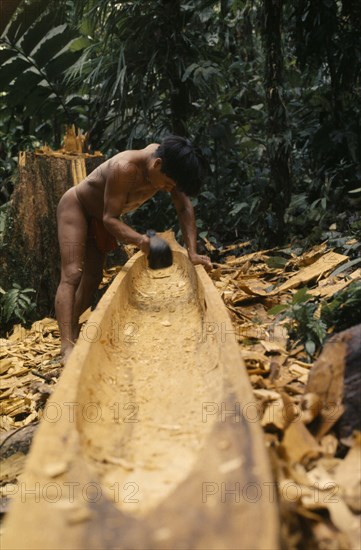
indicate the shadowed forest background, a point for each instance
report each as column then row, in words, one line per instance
column 269, row 90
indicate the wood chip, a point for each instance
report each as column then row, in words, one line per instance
column 323, row 265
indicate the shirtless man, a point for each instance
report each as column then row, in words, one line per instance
column 89, row 224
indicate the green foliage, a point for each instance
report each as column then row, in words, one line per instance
column 342, row 312
column 131, row 72
column 328, row 52
column 36, row 49
column 301, row 322
column 16, row 305
column 141, row 70
column 344, row 309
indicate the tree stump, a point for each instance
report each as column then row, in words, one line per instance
column 30, row 252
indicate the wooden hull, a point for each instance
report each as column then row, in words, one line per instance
column 151, row 439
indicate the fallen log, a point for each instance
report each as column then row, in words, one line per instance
column 151, row 439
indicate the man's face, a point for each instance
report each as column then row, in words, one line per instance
column 168, row 184
column 161, row 181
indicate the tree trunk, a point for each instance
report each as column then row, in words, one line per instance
column 30, row 254
column 278, row 132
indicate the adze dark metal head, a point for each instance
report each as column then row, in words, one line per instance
column 160, row 254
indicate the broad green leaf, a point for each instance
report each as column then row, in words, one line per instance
column 22, row 87
column 52, row 44
column 24, row 18
column 205, row 14
column 52, row 33
column 237, row 66
column 238, row 207
column 276, row 262
column 19, row 314
column 56, row 66
column 86, row 27
column 6, row 53
column 80, row 43
column 227, row 109
column 189, row 70
column 24, row 301
column 208, row 195
column 277, row 309
column 34, row 35
column 319, row 329
column 301, row 296
column 299, row 200
column 36, row 100
column 10, row 70
column 53, row 107
column 12, row 30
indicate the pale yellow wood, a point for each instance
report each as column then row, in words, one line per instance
column 326, row 263
column 150, row 443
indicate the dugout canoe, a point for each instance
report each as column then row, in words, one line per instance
column 151, row 439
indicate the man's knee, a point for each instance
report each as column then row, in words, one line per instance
column 72, row 275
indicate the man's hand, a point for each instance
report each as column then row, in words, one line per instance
column 144, row 244
column 198, row 259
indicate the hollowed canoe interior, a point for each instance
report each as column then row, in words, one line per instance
column 149, row 377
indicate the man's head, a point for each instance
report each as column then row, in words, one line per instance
column 182, row 162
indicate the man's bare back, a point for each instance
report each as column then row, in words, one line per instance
column 90, row 191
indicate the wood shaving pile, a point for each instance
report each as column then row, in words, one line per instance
column 30, row 363
column 318, row 492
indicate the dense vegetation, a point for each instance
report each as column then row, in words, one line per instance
column 271, row 91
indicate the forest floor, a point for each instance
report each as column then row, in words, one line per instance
column 316, row 467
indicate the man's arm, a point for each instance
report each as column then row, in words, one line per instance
column 119, row 182
column 187, row 223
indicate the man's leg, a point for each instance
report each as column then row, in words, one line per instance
column 91, row 279
column 72, row 234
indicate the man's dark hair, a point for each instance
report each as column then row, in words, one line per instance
column 183, row 162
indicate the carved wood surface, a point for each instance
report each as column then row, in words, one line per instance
column 151, row 438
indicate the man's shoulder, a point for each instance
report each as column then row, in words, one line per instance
column 123, row 166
